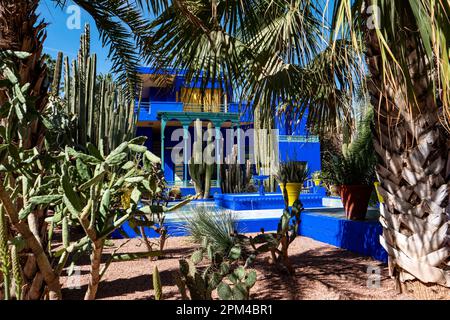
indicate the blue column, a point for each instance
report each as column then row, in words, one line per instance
column 218, row 155
column 163, row 128
column 239, row 143
column 185, row 153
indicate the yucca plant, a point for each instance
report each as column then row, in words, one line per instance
column 292, row 172
column 213, row 228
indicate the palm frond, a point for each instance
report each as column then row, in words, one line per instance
column 413, row 36
column 125, row 30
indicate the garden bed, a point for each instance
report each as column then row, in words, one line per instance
column 322, row 272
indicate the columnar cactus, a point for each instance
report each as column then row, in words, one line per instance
column 200, row 170
column 157, row 287
column 236, row 177
column 101, row 110
column 5, row 258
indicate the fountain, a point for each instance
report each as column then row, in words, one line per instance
column 260, row 179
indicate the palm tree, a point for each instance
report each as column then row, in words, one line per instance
column 273, row 49
column 407, row 56
column 123, row 27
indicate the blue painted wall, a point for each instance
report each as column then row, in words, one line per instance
column 357, row 236
column 148, row 132
column 301, row 151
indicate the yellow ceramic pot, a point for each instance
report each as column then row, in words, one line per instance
column 293, row 191
column 380, row 197
column 317, row 182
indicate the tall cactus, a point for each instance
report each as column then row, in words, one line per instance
column 236, row 178
column 17, row 272
column 199, row 170
column 157, row 287
column 5, row 258
column 103, row 112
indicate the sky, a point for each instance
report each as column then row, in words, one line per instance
column 67, row 40
column 62, row 38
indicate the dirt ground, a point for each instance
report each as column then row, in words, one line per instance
column 323, row 272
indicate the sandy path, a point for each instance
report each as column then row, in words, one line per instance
column 322, row 272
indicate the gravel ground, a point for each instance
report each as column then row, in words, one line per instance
column 323, row 272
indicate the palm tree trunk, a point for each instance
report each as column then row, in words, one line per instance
column 413, row 171
column 20, row 30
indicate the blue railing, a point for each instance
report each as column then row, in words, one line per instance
column 288, row 138
column 149, row 110
column 187, row 184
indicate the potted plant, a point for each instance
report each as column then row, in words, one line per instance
column 291, row 177
column 316, row 178
column 353, row 172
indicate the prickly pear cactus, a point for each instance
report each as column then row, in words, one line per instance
column 220, row 275
column 237, row 285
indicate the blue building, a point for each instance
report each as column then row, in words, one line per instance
column 170, row 105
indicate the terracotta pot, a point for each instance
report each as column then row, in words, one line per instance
column 293, row 191
column 356, row 200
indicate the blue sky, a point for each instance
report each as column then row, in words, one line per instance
column 61, row 38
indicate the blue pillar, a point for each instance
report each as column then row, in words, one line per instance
column 218, row 155
column 185, row 153
column 239, row 143
column 163, row 128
